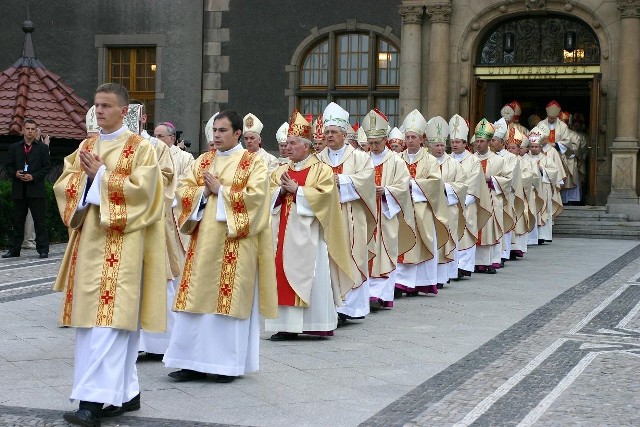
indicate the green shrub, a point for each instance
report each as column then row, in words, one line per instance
column 56, row 229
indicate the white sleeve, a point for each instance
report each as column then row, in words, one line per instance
column 469, row 200
column 452, row 197
column 562, row 147
column 390, row 208
column 416, row 192
column 303, row 208
column 221, row 214
column 348, row 192
column 496, row 186
column 93, row 195
column 197, row 213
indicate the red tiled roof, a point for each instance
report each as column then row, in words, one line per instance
column 29, row 90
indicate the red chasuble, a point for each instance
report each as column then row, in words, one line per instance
column 286, row 294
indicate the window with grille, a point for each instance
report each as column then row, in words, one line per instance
column 357, row 70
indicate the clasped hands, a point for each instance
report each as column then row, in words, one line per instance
column 90, row 163
column 211, row 184
column 287, row 184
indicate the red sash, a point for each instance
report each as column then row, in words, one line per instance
column 286, row 294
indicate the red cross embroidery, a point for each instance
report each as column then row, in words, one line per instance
column 69, row 295
column 237, row 206
column 116, row 198
column 226, row 291
column 112, row 260
column 71, row 191
column 205, row 164
column 107, row 297
column 184, row 286
column 128, row 151
column 229, row 257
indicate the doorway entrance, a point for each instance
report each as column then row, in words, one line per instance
column 578, row 96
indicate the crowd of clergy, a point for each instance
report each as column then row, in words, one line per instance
column 194, row 251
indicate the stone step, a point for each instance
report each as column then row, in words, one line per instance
column 593, row 214
column 604, row 234
column 568, row 222
column 580, row 234
column 586, row 208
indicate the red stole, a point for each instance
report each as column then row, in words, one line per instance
column 286, row 294
column 337, row 169
column 377, row 177
column 413, row 169
column 552, row 135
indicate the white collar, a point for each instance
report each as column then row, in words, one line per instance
column 502, row 153
column 337, row 152
column 298, row 165
column 413, row 156
column 378, row 158
column 113, row 135
column 230, row 151
column 441, row 159
column 459, row 157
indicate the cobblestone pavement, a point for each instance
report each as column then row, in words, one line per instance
column 543, row 342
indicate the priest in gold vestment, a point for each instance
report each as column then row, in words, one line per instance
column 417, row 269
column 395, row 224
column 498, row 181
column 110, row 195
column 455, row 187
column 313, row 266
column 229, row 272
column 477, row 202
column 354, row 177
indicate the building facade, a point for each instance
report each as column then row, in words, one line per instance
column 189, row 59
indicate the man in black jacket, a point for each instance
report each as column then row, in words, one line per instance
column 28, row 163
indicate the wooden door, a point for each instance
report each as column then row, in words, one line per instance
column 477, row 103
column 593, row 132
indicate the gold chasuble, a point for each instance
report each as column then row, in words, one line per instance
column 530, row 175
column 433, row 213
column 553, row 156
column 453, row 174
column 476, row 214
column 549, row 173
column 297, row 235
column 515, row 194
column 225, row 258
column 494, row 229
column 393, row 236
column 358, row 216
column 102, row 274
column 175, row 252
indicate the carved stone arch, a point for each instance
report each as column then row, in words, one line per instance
column 319, row 34
column 488, row 18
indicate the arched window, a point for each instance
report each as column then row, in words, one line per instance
column 540, row 40
column 357, row 70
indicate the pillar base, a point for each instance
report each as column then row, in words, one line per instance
column 623, row 198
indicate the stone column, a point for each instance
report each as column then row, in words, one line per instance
column 410, row 60
column 624, row 150
column 440, row 16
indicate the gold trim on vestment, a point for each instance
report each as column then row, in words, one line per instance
column 114, row 234
column 72, row 190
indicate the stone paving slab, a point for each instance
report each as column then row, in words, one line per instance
column 429, row 361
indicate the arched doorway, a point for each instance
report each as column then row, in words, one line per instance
column 534, row 59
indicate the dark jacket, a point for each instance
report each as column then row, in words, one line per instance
column 39, row 166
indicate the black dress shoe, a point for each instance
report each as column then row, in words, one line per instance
column 223, row 378
column 82, row 417
column 114, row 411
column 284, row 336
column 440, row 285
column 150, row 356
column 490, row 270
column 187, row 375
column 502, row 263
column 541, row 241
column 11, row 254
column 44, row 255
